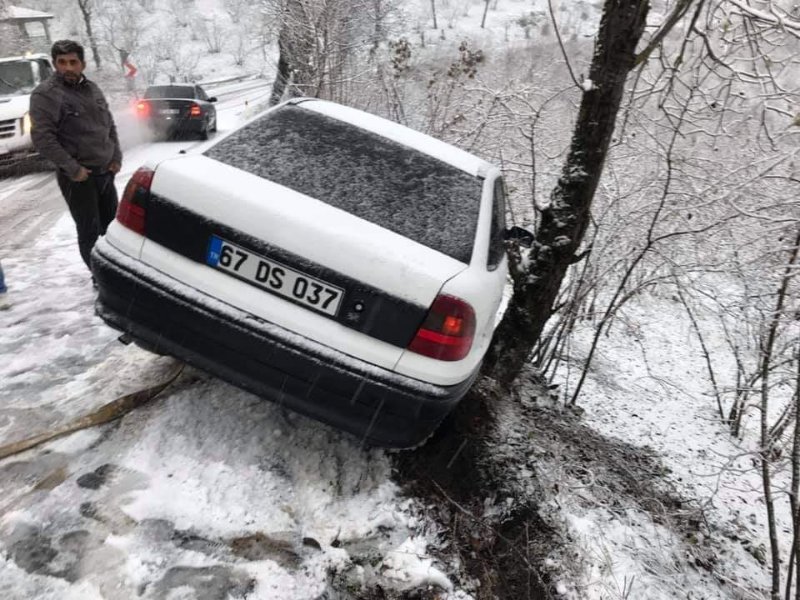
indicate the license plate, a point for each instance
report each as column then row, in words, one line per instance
column 170, row 111
column 274, row 277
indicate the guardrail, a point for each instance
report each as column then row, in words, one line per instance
column 213, row 82
column 234, row 89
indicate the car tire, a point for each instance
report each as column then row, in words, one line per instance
column 204, row 131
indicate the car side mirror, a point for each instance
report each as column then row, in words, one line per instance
column 519, row 235
column 212, row 99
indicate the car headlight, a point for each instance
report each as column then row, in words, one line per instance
column 26, row 123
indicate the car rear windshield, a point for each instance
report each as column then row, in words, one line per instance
column 170, row 91
column 396, row 187
column 16, row 78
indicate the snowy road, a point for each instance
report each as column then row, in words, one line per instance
column 209, row 492
column 32, row 203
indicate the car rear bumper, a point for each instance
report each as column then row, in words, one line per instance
column 177, row 125
column 379, row 406
column 15, row 149
column 23, row 162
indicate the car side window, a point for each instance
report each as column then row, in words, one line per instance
column 497, row 248
column 44, row 70
column 201, row 95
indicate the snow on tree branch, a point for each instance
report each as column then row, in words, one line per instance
column 772, row 17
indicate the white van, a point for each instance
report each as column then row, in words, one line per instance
column 19, row 75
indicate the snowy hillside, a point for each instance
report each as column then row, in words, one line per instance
column 630, row 460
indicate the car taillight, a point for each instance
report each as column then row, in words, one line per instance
column 195, row 111
column 132, row 208
column 448, row 330
column 143, row 109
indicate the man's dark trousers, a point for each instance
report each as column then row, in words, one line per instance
column 93, row 204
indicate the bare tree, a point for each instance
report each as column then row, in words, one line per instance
column 87, row 7
column 295, row 49
column 767, row 441
column 563, row 223
column 236, row 9
column 122, row 27
column 211, row 31
column 182, row 12
column 319, row 41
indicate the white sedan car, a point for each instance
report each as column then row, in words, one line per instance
column 330, row 260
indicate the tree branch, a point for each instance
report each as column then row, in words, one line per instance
column 771, row 18
column 680, row 10
column 561, row 43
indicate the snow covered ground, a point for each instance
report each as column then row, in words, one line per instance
column 695, row 525
column 213, row 490
column 208, row 489
column 210, row 492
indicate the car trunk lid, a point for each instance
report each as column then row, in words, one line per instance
column 166, row 108
column 387, row 281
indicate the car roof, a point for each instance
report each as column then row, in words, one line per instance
column 172, row 85
column 401, row 134
column 25, row 57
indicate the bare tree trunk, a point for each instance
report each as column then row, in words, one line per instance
column 485, row 10
column 706, row 353
column 433, row 10
column 743, row 386
column 283, row 74
column 769, row 501
column 766, row 442
column 794, row 501
column 378, row 26
column 86, row 10
column 796, row 483
column 299, row 60
column 564, row 222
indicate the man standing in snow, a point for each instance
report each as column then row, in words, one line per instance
column 73, row 128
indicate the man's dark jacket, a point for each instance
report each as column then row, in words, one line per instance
column 72, row 126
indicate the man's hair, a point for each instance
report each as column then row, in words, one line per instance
column 66, row 47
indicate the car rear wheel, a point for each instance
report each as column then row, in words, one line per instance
column 204, row 131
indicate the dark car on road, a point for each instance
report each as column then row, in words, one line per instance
column 172, row 110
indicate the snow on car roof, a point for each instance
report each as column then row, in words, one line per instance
column 401, row 134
